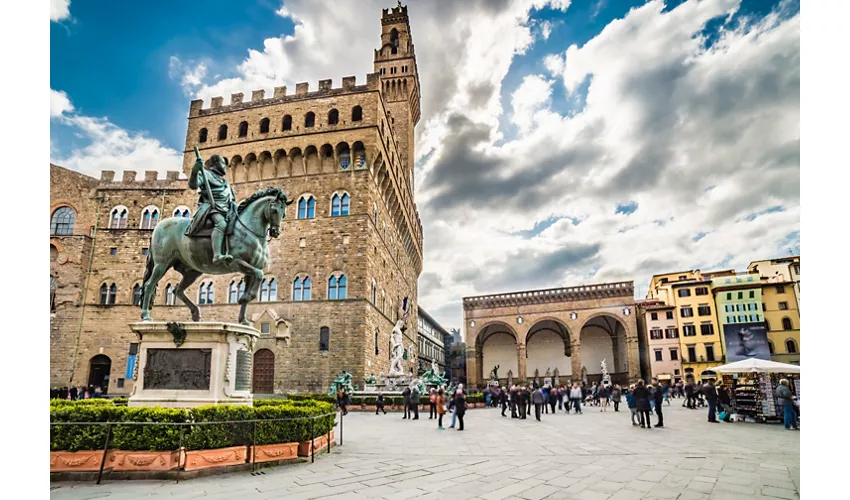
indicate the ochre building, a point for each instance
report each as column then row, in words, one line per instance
column 568, row 330
column 350, row 248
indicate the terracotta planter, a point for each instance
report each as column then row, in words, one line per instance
column 220, row 457
column 274, row 452
column 371, row 408
column 144, row 460
column 61, row 461
column 319, row 443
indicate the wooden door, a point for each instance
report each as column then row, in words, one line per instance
column 263, row 382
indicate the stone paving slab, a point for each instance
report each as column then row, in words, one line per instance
column 594, row 456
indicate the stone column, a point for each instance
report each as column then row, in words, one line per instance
column 615, row 344
column 521, row 362
column 575, row 359
column 472, row 367
column 633, row 358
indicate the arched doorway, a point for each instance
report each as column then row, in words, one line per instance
column 604, row 338
column 99, row 368
column 548, row 348
column 263, row 377
column 496, row 345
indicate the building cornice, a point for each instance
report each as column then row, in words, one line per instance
column 551, row 295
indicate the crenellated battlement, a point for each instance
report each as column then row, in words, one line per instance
column 280, row 95
column 150, row 179
column 394, row 15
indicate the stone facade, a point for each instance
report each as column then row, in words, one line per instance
column 357, row 142
column 599, row 319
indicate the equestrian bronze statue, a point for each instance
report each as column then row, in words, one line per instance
column 221, row 238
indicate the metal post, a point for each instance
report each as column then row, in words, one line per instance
column 180, row 453
column 329, row 438
column 312, row 441
column 340, row 428
column 254, row 449
column 105, row 447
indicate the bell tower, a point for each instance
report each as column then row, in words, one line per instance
column 395, row 63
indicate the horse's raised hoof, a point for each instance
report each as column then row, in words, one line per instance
column 146, row 316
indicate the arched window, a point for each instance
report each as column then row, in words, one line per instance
column 786, row 324
column 268, row 290
column 62, row 221
column 333, row 117
column 137, row 294
column 377, row 349
column 301, row 289
column 324, row 338
column 54, row 253
column 309, row 119
column 307, row 207
column 356, row 114
column 264, row 126
column 790, row 346
column 202, row 135
column 222, row 132
column 374, row 294
column 182, row 211
column 107, row 294
column 243, row 129
column 287, row 123
column 169, row 295
column 118, row 217
column 339, row 204
column 337, row 288
column 770, row 346
column 150, row 217
column 394, row 41
column 206, row 293
column 232, row 293
column 343, row 153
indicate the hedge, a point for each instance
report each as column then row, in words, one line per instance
column 196, row 436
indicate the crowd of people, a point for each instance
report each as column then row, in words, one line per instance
column 75, row 393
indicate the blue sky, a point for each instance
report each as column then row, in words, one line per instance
column 563, row 130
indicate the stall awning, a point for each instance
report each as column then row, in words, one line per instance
column 756, row 365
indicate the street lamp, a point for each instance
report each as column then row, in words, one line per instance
column 573, row 315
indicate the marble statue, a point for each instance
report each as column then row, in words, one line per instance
column 510, row 378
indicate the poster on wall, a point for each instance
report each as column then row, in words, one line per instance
column 746, row 340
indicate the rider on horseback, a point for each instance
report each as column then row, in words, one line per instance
column 216, row 201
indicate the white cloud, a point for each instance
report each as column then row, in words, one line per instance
column 109, row 147
column 59, row 10
column 533, row 94
column 59, row 103
column 190, row 74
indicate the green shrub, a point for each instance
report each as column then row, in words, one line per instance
column 81, row 437
column 149, row 437
column 202, row 436
column 288, row 431
column 80, row 402
column 356, row 400
column 120, row 401
column 314, row 397
column 370, row 400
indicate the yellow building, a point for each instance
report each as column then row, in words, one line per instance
column 700, row 337
column 782, row 315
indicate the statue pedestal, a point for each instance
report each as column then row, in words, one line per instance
column 210, row 364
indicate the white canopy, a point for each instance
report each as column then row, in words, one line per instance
column 756, row 365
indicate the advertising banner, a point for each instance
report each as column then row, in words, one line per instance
column 746, row 340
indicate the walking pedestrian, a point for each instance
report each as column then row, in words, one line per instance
column 379, row 404
column 576, row 397
column 539, row 402
column 553, row 398
column 513, row 400
column 460, row 407
column 665, row 390
column 523, row 403
column 659, row 399
column 786, row 399
column 414, row 403
column 602, row 394
column 642, row 403
column 487, row 397
column 710, row 393
column 616, row 395
column 632, row 403
column 561, row 397
column 689, row 402
column 545, row 392
column 503, row 400
column 453, row 405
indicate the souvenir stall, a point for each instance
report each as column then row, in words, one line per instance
column 752, row 385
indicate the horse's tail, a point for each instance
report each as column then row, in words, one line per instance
column 147, row 276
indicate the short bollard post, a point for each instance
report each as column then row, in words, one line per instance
column 105, row 447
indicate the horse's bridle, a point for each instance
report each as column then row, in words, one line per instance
column 266, row 212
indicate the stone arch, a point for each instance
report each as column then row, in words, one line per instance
column 100, row 366
column 243, row 129
column 326, row 153
column 263, row 372
column 238, row 169
column 548, row 345
column 358, row 155
column 267, row 169
column 252, row 167
column 333, row 117
column 312, row 161
column 604, row 335
column 503, row 342
column 281, row 162
column 343, row 154
column 296, row 158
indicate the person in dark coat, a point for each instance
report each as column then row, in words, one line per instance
column 513, row 401
column 658, row 395
column 379, row 404
column 528, row 400
column 73, row 392
column 414, row 403
column 616, row 395
column 723, row 398
column 503, row 401
column 460, row 408
column 710, row 393
column 554, row 394
column 689, row 395
column 406, row 395
column 786, row 399
column 642, row 403
column 523, row 403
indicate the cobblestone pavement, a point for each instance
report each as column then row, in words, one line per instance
column 594, row 456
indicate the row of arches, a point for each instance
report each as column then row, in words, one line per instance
column 295, row 162
column 264, row 125
column 148, row 217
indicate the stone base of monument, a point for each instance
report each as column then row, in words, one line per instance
column 182, row 365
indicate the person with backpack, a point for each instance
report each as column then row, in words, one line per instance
column 632, row 403
column 460, row 407
column 786, row 400
column 616, row 396
column 379, row 404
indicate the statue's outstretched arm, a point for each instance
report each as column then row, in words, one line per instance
column 197, row 170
